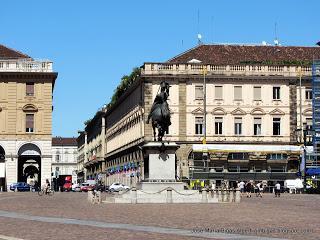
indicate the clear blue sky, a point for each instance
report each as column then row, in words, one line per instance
column 94, row 43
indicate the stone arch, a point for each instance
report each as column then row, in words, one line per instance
column 29, row 108
column 29, row 154
column 29, row 149
column 219, row 111
column 257, row 111
column 307, row 112
column 2, row 154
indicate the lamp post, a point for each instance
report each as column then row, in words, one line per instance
column 307, row 134
column 204, row 141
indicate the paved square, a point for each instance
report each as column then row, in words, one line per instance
column 70, row 216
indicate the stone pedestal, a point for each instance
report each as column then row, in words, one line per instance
column 162, row 167
column 160, row 185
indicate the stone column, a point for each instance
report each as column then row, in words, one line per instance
column 134, row 199
column 204, row 195
column 169, row 195
column 219, row 195
column 238, row 196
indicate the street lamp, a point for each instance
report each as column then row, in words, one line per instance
column 204, row 141
column 307, row 134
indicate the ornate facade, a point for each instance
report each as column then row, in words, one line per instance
column 26, row 88
column 252, row 99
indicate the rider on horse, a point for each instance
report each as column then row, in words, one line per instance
column 160, row 112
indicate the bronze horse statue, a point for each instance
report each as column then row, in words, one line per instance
column 160, row 112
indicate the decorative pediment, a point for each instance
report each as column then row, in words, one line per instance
column 307, row 112
column 30, row 108
column 277, row 112
column 238, row 111
column 258, row 111
column 194, row 61
column 219, row 111
column 198, row 111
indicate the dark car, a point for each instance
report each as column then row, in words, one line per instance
column 20, row 186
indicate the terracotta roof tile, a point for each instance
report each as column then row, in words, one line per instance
column 59, row 141
column 242, row 54
column 8, row 53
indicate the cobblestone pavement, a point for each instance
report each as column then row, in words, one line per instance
column 290, row 217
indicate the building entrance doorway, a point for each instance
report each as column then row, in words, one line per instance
column 29, row 164
column 2, row 168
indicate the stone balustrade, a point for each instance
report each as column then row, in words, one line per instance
column 228, row 70
column 25, row 65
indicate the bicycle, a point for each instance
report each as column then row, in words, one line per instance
column 43, row 191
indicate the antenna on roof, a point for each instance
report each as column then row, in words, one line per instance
column 211, row 29
column 199, row 35
column 276, row 41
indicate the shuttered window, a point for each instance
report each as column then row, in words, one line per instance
column 257, row 126
column 199, row 92
column 218, row 92
column 30, row 89
column 238, row 126
column 198, row 125
column 257, row 93
column 237, row 92
column 29, row 122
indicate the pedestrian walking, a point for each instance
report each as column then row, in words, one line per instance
column 248, row 189
column 277, row 189
column 241, row 187
column 259, row 189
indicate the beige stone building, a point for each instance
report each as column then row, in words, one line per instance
column 26, row 87
column 64, row 160
column 252, row 114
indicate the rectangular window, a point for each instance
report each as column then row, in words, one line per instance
column 218, row 92
column 29, row 123
column 199, row 125
column 276, row 93
column 276, row 126
column 308, row 123
column 308, row 94
column 218, row 126
column 257, row 126
column 199, row 91
column 237, row 92
column 30, row 89
column 238, row 126
column 256, row 93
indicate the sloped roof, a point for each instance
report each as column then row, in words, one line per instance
column 244, row 54
column 61, row 141
column 8, row 53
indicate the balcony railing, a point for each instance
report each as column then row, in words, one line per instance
column 229, row 70
column 25, row 65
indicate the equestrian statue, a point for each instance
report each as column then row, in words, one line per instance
column 160, row 113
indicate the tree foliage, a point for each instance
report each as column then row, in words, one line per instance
column 125, row 83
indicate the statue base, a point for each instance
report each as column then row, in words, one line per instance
column 160, row 184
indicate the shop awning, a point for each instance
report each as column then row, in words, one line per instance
column 313, row 171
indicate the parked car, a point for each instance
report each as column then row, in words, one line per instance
column 85, row 187
column 67, row 186
column 20, row 186
column 116, row 187
column 75, row 187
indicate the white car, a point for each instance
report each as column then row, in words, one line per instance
column 116, row 187
column 75, row 187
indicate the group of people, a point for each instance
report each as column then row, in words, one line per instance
column 257, row 188
column 250, row 187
